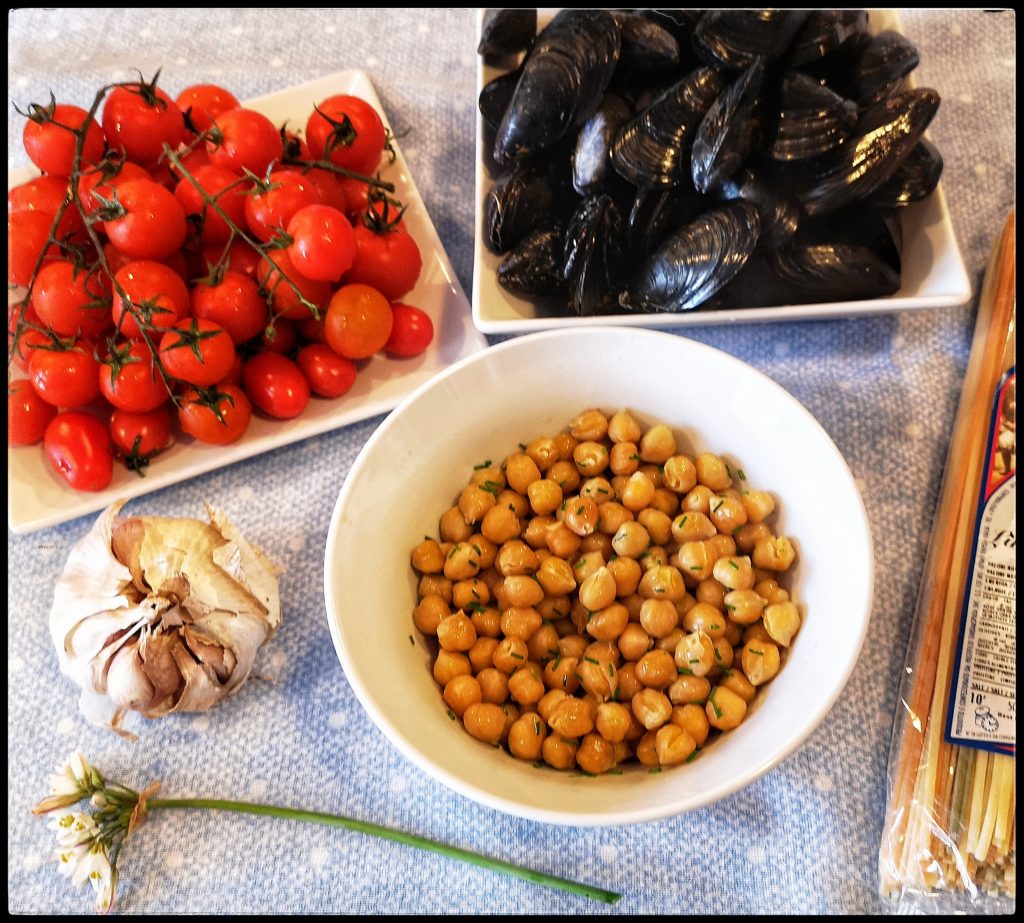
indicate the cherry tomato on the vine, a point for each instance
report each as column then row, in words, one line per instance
column 140, row 436
column 328, row 374
column 204, row 102
column 157, row 292
column 129, row 379
column 276, row 385
column 30, row 337
column 347, row 131
column 28, row 414
column 65, row 377
column 153, row 225
column 283, row 296
column 411, row 332
column 140, row 119
column 70, row 300
column 219, row 416
column 323, row 243
column 389, row 262
column 46, row 194
column 77, row 446
column 283, row 339
column 268, row 212
column 50, row 140
column 104, row 179
column 358, row 321
column 28, row 233
column 219, row 184
column 248, row 141
column 234, row 303
column 197, row 351
column 241, row 258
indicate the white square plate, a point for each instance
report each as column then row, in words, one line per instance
column 38, row 498
column 933, row 270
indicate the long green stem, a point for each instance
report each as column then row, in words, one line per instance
column 360, row 826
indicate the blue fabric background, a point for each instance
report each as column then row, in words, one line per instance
column 803, row 839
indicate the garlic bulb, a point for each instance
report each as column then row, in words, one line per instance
column 158, row 615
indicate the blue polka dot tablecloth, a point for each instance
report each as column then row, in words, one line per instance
column 802, row 839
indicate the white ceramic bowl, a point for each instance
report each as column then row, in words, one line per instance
column 414, row 466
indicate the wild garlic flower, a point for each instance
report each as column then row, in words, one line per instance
column 70, row 783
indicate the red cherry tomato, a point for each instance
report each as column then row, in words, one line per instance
column 219, row 419
column 50, row 144
column 203, row 102
column 275, row 385
column 105, row 179
column 248, row 141
column 70, row 300
column 328, row 374
column 389, row 262
column 27, row 236
column 65, row 377
column 28, row 414
column 347, row 131
column 157, row 292
column 153, row 225
column 77, row 445
column 283, row 296
column 358, row 321
column 46, row 194
column 283, row 340
column 411, row 332
column 213, row 180
column 30, row 338
column 234, row 303
column 140, row 120
column 268, row 213
column 331, row 188
column 130, row 381
column 355, row 192
column 323, row 244
column 140, row 436
column 241, row 258
column 197, row 351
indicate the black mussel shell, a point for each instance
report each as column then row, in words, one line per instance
column 653, row 149
column 495, row 97
column 563, row 82
column 835, row 67
column 696, row 261
column 646, row 43
column 507, row 32
column 591, row 159
column 533, row 268
column 810, row 119
column 519, row 201
column 779, row 213
column 879, row 69
column 833, row 272
column 915, row 179
column 728, row 132
column 593, row 255
column 876, row 229
column 735, row 39
column 656, row 212
column 823, row 33
column 882, row 140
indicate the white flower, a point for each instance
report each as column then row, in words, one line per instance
column 69, row 858
column 70, row 782
column 73, row 828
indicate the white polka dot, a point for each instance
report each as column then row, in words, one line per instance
column 146, row 33
column 371, row 61
column 608, row 854
column 279, row 659
column 955, row 29
column 217, row 71
column 824, row 783
column 181, row 62
column 257, row 788
column 411, row 153
column 319, row 856
column 423, row 28
column 21, row 81
column 201, row 723
column 51, row 36
column 860, row 485
column 980, row 169
column 65, row 726
column 116, row 75
column 398, row 784
column 30, row 863
column 757, row 855
column 781, row 348
column 236, row 30
column 245, row 493
column 914, row 430
column 966, row 98
column 899, row 341
column 297, row 543
column 174, row 859
column 277, row 62
column 330, row 30
column 338, row 719
column 14, row 664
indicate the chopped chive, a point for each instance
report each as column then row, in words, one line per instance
column 739, row 471
column 697, row 567
column 451, row 714
column 684, row 671
column 614, row 772
column 413, row 643
column 692, row 756
column 682, row 522
column 714, row 509
column 611, row 671
column 536, row 725
column 476, row 548
column 729, row 608
column 728, row 471
column 750, row 650
column 718, row 655
column 601, row 490
column 517, row 656
column 476, row 607
column 579, row 510
column 726, row 672
column 654, row 770
column 714, row 704
column 714, row 627
column 454, row 549
column 482, row 465
column 733, row 565
column 522, row 447
column 736, row 530
column 635, row 456
column 592, row 660
column 537, row 764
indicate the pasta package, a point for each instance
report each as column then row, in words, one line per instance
column 949, row 836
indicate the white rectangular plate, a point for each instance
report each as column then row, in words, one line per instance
column 38, row 498
column 933, row 270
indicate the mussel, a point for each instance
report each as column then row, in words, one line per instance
column 507, row 31
column 593, row 255
column 914, row 180
column 591, row 159
column 656, row 213
column 495, row 98
column 823, row 32
column 519, row 201
column 534, row 267
column 735, row 39
column 728, row 132
column 777, row 210
column 833, row 272
column 646, row 44
column 879, row 69
column 810, row 119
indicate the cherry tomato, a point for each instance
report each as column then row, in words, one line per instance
column 241, row 258
column 311, row 330
column 358, row 321
column 219, row 418
column 355, row 192
column 215, row 182
column 46, row 194
column 323, row 243
column 153, row 225
column 140, row 436
column 234, row 375
column 234, row 303
column 50, row 144
column 411, row 332
column 347, row 131
column 30, row 338
column 140, row 119
column 283, row 296
column 70, row 300
column 27, row 236
column 157, row 292
column 268, row 212
column 130, row 381
column 28, row 414
column 77, row 446
column 331, row 188
column 197, row 351
column 284, row 339
column 389, row 262
column 275, row 385
column 248, row 141
column 104, row 180
column 328, row 374
column 65, row 377
column 203, row 102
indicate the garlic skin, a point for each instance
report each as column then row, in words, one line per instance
column 158, row 615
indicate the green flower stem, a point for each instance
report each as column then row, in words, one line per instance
column 360, row 826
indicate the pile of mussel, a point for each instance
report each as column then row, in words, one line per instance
column 665, row 160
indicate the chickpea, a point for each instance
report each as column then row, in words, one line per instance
column 522, row 590
column 516, row 558
column 435, row 585
column 712, row 471
column 623, row 427
column 658, row 444
column 526, row 737
column 453, row 526
column 558, row 752
column 571, row 718
column 638, row 492
column 728, row 514
column 734, row 572
column 657, row 524
column 774, row 555
column 738, row 683
column 624, row 458
column 544, row 452
column 629, row 685
column 474, row 502
column 757, row 632
column 689, row 690
column 651, row 707
column 658, row 617
column 500, row 524
column 599, row 542
column 760, row 661
column 608, row 623
column 487, row 621
column 598, row 590
column 749, row 535
column 554, row 609
column 429, row 614
column 634, row 602
column 560, row 673
column 597, row 489
column 733, row 633
column 595, row 755
column 535, row 534
column 771, row 592
column 696, row 653
column 680, row 474
column 520, row 622
column 520, row 472
column 510, row 654
column 698, row 500
column 549, row 701
column 481, row 654
column 590, row 425
column 603, row 650
column 759, row 505
column 485, row 721
column 725, row 709
column 673, row 745
column 693, row 720
column 463, row 561
column 646, row 749
column 488, row 474
column 456, row 633
column 525, row 685
column 664, row 501
column 545, row 496
column 610, row 516
column 685, row 604
column 662, row 581
column 631, row 540
column 591, row 458
column 461, row 692
column 724, row 655
column 565, row 475
column 574, row 645
column 450, row 664
column 697, row 559
column 580, row 515
column 493, row 685
column 599, row 678
column 712, row 592
column 706, row 619
column 542, row 645
column 427, row 557
column 744, row 607
column 691, row 526
column 626, row 573
column 782, row 622
column 471, row 592
column 724, row 546
column 562, row 541
column 656, row 669
column 556, row 577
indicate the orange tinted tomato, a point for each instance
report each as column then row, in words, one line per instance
column 358, row 321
